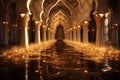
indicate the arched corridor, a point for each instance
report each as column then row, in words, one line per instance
column 59, row 39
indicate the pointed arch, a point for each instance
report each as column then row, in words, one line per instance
column 60, row 5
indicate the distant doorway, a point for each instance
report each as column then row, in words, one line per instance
column 59, row 33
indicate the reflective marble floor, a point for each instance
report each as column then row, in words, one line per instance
column 59, row 62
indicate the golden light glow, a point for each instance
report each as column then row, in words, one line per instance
column 42, row 3
column 78, row 26
column 86, row 22
column 15, row 25
column 48, row 28
column 5, row 22
column 116, row 24
column 44, row 26
column 22, row 15
column 28, row 4
column 71, row 29
column 36, row 22
column 97, row 53
column 93, row 30
column 26, row 38
column 37, row 71
column 74, row 27
column 85, row 71
column 68, row 30
column 20, row 53
column 41, row 15
column 101, row 15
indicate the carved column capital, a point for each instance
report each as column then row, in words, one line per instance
column 85, row 24
column 99, row 18
column 24, row 19
column 37, row 25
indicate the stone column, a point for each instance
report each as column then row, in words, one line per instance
column 5, row 28
column 67, row 35
column 74, row 34
column 99, row 18
column 78, row 34
column 16, row 32
column 24, row 30
column 71, row 35
column 11, row 37
column 110, row 23
column 85, row 31
column 49, row 34
column 115, row 42
column 53, row 36
column 13, row 34
column 93, row 35
column 44, row 33
column 37, row 31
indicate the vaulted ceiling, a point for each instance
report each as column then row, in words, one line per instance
column 68, row 13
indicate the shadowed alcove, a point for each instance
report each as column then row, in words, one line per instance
column 59, row 33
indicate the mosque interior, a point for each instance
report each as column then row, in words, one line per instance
column 59, row 40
